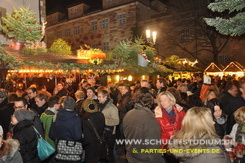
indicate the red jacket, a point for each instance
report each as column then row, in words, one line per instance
column 168, row 129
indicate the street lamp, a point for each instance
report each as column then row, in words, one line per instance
column 151, row 36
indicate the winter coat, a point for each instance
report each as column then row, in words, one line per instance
column 5, row 117
column 26, row 135
column 9, row 152
column 67, row 126
column 211, row 153
column 123, row 109
column 40, row 110
column 110, row 112
column 168, row 129
column 140, row 124
column 47, row 119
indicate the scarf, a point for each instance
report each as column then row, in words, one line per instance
column 170, row 116
column 102, row 106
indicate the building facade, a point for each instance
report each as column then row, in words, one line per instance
column 7, row 6
column 103, row 28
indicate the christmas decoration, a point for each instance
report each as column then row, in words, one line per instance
column 21, row 26
column 94, row 56
column 61, row 46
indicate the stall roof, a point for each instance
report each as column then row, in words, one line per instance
column 214, row 68
column 234, row 67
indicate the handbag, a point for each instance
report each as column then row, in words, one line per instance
column 68, row 150
column 44, row 149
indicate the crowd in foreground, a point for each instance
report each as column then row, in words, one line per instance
column 85, row 125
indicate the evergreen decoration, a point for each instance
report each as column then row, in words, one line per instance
column 61, row 46
column 7, row 61
column 127, row 51
column 22, row 26
column 234, row 26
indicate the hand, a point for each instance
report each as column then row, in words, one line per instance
column 158, row 111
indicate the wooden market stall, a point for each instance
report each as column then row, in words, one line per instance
column 234, row 68
column 214, row 70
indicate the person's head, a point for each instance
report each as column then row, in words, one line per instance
column 145, row 83
column 91, row 92
column 80, row 95
column 21, row 115
column 53, row 102
column 197, row 124
column 103, row 95
column 41, row 99
column 132, row 86
column 125, row 89
column 31, row 92
column 25, row 95
column 175, row 93
column 183, row 88
column 210, row 94
column 144, row 97
column 12, row 97
column 232, row 89
column 119, row 86
column 20, row 103
column 166, row 100
column 68, row 103
column 161, row 83
column 240, row 115
column 215, row 106
column 60, row 86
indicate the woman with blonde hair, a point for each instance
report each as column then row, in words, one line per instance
column 198, row 141
column 209, row 95
column 169, row 116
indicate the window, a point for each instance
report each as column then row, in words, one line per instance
column 106, row 46
column 77, row 29
column 94, row 25
column 75, row 10
column 122, row 19
column 105, row 23
column 68, row 31
column 185, row 35
column 95, row 46
column 59, row 34
column 109, row 1
column 53, row 17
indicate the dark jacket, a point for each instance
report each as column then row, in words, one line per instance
column 140, row 124
column 40, row 110
column 26, row 135
column 224, row 98
column 123, row 105
column 233, row 104
column 62, row 92
column 98, row 120
column 9, row 152
column 67, row 126
column 5, row 117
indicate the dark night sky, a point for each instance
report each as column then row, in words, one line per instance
column 51, row 4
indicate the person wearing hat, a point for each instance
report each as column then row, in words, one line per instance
column 67, row 122
column 92, row 120
column 91, row 93
column 9, row 150
column 24, row 132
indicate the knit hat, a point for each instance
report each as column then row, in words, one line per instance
column 69, row 103
column 23, row 114
column 1, row 131
column 92, row 88
column 3, row 93
column 90, row 106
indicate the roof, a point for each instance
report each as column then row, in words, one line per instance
column 214, row 68
column 234, row 67
column 47, row 57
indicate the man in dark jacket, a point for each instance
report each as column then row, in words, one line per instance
column 161, row 85
column 60, row 90
column 41, row 102
column 140, row 124
column 6, row 112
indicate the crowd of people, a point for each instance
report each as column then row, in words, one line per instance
column 97, row 116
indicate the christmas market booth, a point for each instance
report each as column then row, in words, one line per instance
column 214, row 70
column 234, row 69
